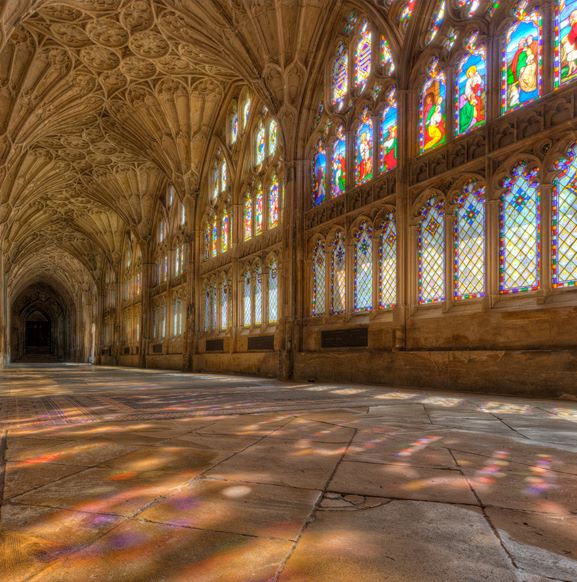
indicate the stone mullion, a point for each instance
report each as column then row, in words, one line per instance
column 546, row 272
column 492, row 249
column 193, row 250
column 148, row 266
column 3, row 311
column 115, row 351
column 547, row 10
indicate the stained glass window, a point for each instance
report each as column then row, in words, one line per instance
column 273, row 292
column 273, row 203
column 260, row 144
column 522, row 54
column 564, row 223
column 259, row 210
column 319, row 177
column 233, row 124
column 246, row 112
column 451, row 39
column 433, row 109
column 340, row 80
column 258, row 297
column 364, row 149
column 247, row 217
column 206, row 242
column 470, row 6
column 224, row 295
column 437, row 21
column 247, row 298
column 387, row 57
column 363, row 57
column 338, row 275
column 388, row 264
column 520, row 244
column 223, row 175
column 432, row 252
column 565, row 41
column 215, row 181
column 225, row 232
column 319, row 279
column 388, row 134
column 214, row 238
column 363, row 297
column 339, row 171
column 407, row 12
column 470, row 99
column 272, row 137
column 469, row 248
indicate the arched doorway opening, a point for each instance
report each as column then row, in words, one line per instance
column 38, row 335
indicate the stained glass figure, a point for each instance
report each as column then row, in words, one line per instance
column 437, row 21
column 363, row 296
column 520, row 226
column 469, row 248
column 564, row 221
column 433, row 109
column 258, row 295
column 432, row 252
column 273, row 291
column 388, row 149
column 522, row 54
column 319, row 267
column 260, row 144
column 565, row 41
column 225, row 232
column 470, row 98
column 319, row 175
column 387, row 61
column 364, row 149
column 246, row 112
column 247, row 298
column 247, row 217
column 214, row 238
column 224, row 300
column 363, row 52
column 339, row 171
column 273, row 203
column 272, row 137
column 340, row 79
column 338, row 275
column 388, row 263
column 259, row 210
column 233, row 124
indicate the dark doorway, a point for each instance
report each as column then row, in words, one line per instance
column 38, row 335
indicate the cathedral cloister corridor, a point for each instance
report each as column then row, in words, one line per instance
column 125, row 475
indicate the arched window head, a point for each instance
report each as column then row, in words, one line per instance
column 433, row 131
column 470, row 88
column 319, row 274
column 363, row 57
column 520, row 225
column 274, row 203
column 469, row 245
column 260, row 144
column 565, row 41
column 247, row 212
column 438, row 18
column 319, row 174
column 233, row 123
column 272, row 137
column 340, row 76
column 338, row 164
column 388, row 149
column 521, row 61
column 431, row 258
column 564, row 221
column 338, row 275
column 170, row 196
column 387, row 62
column 364, row 149
column 363, row 296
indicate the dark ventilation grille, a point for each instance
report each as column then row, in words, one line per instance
column 157, row 349
column 214, row 345
column 261, row 342
column 105, row 351
column 126, row 351
column 345, row 338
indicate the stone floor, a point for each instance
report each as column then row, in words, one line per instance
column 124, row 475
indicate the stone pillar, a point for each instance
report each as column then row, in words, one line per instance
column 148, row 267
column 4, row 319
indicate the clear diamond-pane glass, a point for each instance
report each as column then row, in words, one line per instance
column 520, row 232
column 388, row 264
column 247, row 299
column 224, row 305
column 564, row 207
column 469, row 258
column 338, row 275
column 273, row 292
column 432, row 253
column 319, row 279
column 363, row 269
column 258, row 299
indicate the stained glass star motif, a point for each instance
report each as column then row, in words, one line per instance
column 471, row 213
column 432, row 226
